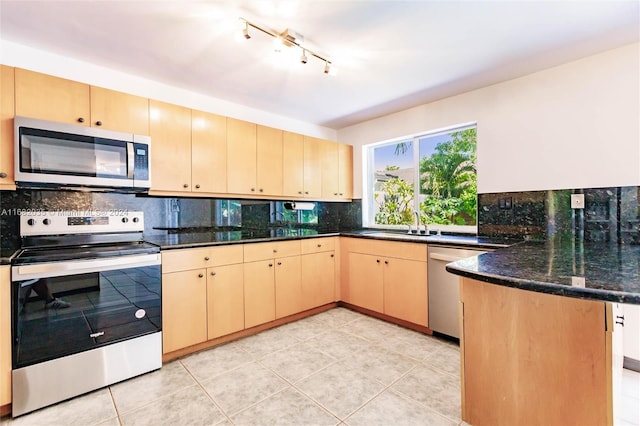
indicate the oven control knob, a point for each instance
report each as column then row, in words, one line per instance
column 125, row 219
column 47, row 221
column 136, row 220
column 31, row 222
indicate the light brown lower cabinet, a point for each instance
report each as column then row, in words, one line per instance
column 365, row 282
column 259, row 293
column 288, row 286
column 225, row 300
column 5, row 335
column 318, row 279
column 531, row 358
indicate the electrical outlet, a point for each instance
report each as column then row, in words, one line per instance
column 577, row 201
column 578, row 282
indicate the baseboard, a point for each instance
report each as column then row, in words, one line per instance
column 631, row 364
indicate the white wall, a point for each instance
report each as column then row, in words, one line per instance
column 572, row 126
column 37, row 60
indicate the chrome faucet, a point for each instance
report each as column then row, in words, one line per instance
column 417, row 221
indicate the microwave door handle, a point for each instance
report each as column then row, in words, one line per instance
column 130, row 160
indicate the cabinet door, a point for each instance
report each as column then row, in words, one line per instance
column 170, row 130
column 5, row 336
column 259, row 293
column 208, row 152
column 51, row 98
column 345, row 171
column 365, row 288
column 241, row 157
column 312, row 167
column 6, row 127
column 269, row 161
column 225, row 300
column 288, row 286
column 329, row 154
column 292, row 164
column 405, row 290
column 318, row 279
column 119, row 111
column 184, row 309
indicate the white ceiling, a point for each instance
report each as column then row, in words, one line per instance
column 390, row 55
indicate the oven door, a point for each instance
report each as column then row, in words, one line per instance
column 111, row 300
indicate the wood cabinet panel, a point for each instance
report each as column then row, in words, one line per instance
column 186, row 259
column 225, row 300
column 329, row 158
column 51, row 98
column 241, row 157
column 7, row 112
column 259, row 293
column 208, row 152
column 345, row 171
column 170, row 130
column 184, row 309
column 312, row 167
column 316, row 245
column 119, row 111
column 269, row 161
column 226, row 255
column 401, row 250
column 5, row 335
column 546, row 361
column 293, row 164
column 271, row 250
column 318, row 279
column 288, row 286
column 405, row 290
column 365, row 286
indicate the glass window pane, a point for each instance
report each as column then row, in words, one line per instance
column 393, row 183
column 448, row 178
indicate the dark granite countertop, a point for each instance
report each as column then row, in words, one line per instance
column 6, row 255
column 449, row 240
column 211, row 238
column 611, row 272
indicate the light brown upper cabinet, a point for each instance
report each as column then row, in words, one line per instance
column 345, row 171
column 269, row 161
column 208, row 152
column 170, row 130
column 293, row 164
column 312, row 167
column 329, row 154
column 241, row 157
column 119, row 111
column 6, row 127
column 51, row 98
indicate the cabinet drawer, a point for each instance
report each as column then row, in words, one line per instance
column 400, row 250
column 226, row 255
column 317, row 245
column 186, row 259
column 263, row 251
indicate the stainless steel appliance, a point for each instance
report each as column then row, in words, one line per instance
column 58, row 154
column 106, row 326
column 444, row 288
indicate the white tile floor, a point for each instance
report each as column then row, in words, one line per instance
column 338, row 367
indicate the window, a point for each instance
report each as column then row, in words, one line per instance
column 439, row 166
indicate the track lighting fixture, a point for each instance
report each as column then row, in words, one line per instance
column 288, row 38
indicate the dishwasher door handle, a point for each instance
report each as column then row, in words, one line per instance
column 444, row 257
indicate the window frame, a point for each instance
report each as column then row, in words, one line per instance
column 368, row 180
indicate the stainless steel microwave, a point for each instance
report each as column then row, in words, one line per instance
column 57, row 154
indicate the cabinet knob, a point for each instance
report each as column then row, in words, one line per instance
column 261, row 190
column 270, row 265
column 98, row 123
column 80, row 120
column 186, row 185
column 332, row 255
column 335, row 193
column 206, row 258
column 306, row 192
column 213, row 274
column 319, row 245
column 253, row 190
column 197, row 186
column 299, row 192
column 275, row 251
column 200, row 275
column 279, row 263
column 377, row 260
column 386, row 262
column 3, row 175
column 341, row 194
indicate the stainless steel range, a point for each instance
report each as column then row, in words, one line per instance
column 86, row 305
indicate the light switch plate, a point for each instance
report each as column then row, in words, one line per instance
column 577, row 201
column 578, row 282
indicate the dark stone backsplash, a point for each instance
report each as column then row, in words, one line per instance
column 609, row 215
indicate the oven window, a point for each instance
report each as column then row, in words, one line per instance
column 104, row 307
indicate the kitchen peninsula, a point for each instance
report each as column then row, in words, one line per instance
column 513, row 298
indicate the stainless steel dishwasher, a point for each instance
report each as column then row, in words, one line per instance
column 444, row 288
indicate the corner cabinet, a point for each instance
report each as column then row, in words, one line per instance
column 386, row 277
column 7, row 112
column 5, row 335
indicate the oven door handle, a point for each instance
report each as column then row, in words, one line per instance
column 56, row 269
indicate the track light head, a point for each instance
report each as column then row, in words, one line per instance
column 303, row 58
column 245, row 31
column 327, row 68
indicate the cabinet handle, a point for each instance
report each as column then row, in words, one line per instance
column 319, row 245
column 335, row 193
column 620, row 320
column 253, row 190
column 270, row 265
column 377, row 260
column 98, row 123
column 3, row 175
column 386, row 262
column 80, row 120
column 306, row 192
column 341, row 194
column 279, row 263
column 186, row 185
column 200, row 275
column 275, row 251
column 197, row 186
column 206, row 258
column 213, row 274
column 261, row 190
column 332, row 255
column 299, row 192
